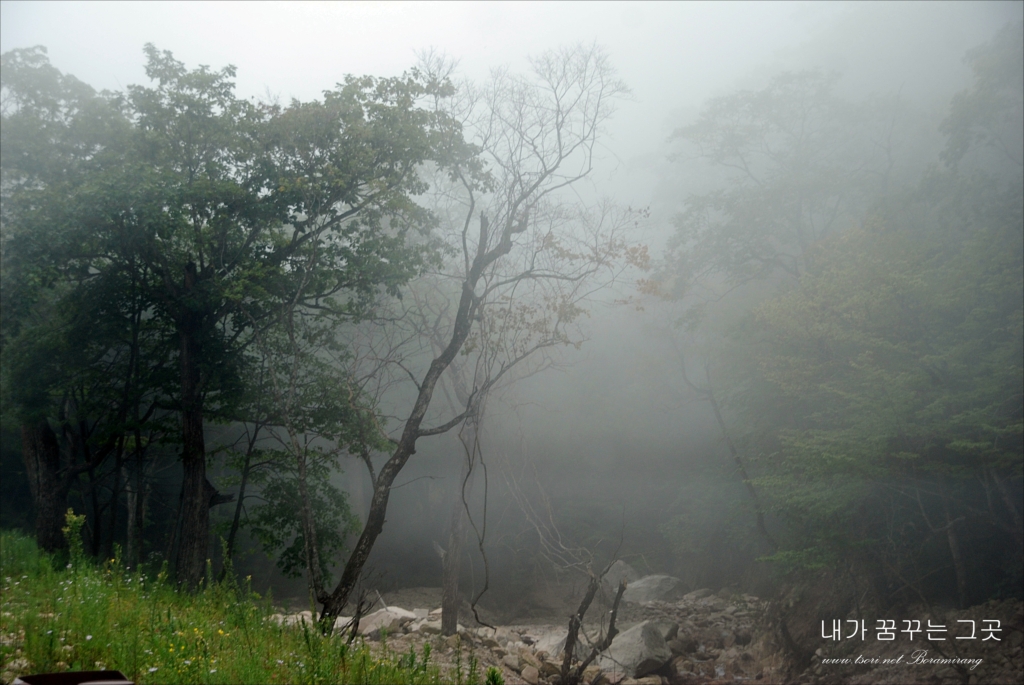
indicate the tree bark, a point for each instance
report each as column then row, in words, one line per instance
column 452, row 562
column 310, row 543
column 236, row 520
column 137, row 491
column 959, row 567
column 41, row 453
column 195, row 509
column 758, row 509
column 406, row 447
column 115, row 496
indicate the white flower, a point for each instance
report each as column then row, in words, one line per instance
column 279, row 661
column 88, row 637
column 213, row 670
column 188, row 662
column 153, row 669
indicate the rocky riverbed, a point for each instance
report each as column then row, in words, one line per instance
column 699, row 637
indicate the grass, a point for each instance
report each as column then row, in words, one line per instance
column 87, row 616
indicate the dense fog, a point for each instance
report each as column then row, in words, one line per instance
column 780, row 358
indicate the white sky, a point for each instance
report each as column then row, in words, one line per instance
column 673, row 55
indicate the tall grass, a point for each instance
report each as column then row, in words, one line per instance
column 85, row 616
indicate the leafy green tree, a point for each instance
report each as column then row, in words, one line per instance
column 796, row 163
column 282, row 533
column 221, row 202
column 898, row 360
column 983, row 120
column 876, row 372
column 71, row 341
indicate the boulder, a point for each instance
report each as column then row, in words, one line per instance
column 636, row 652
column 699, row 594
column 511, row 661
column 554, row 643
column 426, row 626
column 620, row 570
column 650, row 589
column 531, row 675
column 550, row 668
column 388, row 618
column 668, row 629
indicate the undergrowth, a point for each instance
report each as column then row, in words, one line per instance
column 88, row 616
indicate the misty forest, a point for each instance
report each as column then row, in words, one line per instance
column 386, row 370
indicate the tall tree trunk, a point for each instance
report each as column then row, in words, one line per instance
column 236, row 521
column 41, row 453
column 136, row 489
column 452, row 562
column 115, row 496
column 311, row 546
column 959, row 567
column 195, row 506
column 740, row 467
column 94, row 524
column 406, row 447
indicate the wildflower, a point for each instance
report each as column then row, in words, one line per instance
column 280, row 662
column 88, row 637
column 188, row 662
column 213, row 670
column 153, row 669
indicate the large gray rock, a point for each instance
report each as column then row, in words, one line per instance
column 636, row 652
column 620, row 570
column 388, row 618
column 554, row 643
column 651, row 589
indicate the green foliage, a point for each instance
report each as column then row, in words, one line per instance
column 276, row 520
column 106, row 617
column 73, row 534
column 987, row 116
column 798, row 164
column 494, row 677
column 898, row 360
column 873, row 381
column 155, row 238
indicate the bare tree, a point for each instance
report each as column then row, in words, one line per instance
column 561, row 553
column 537, row 136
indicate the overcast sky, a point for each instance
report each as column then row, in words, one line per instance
column 672, row 55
